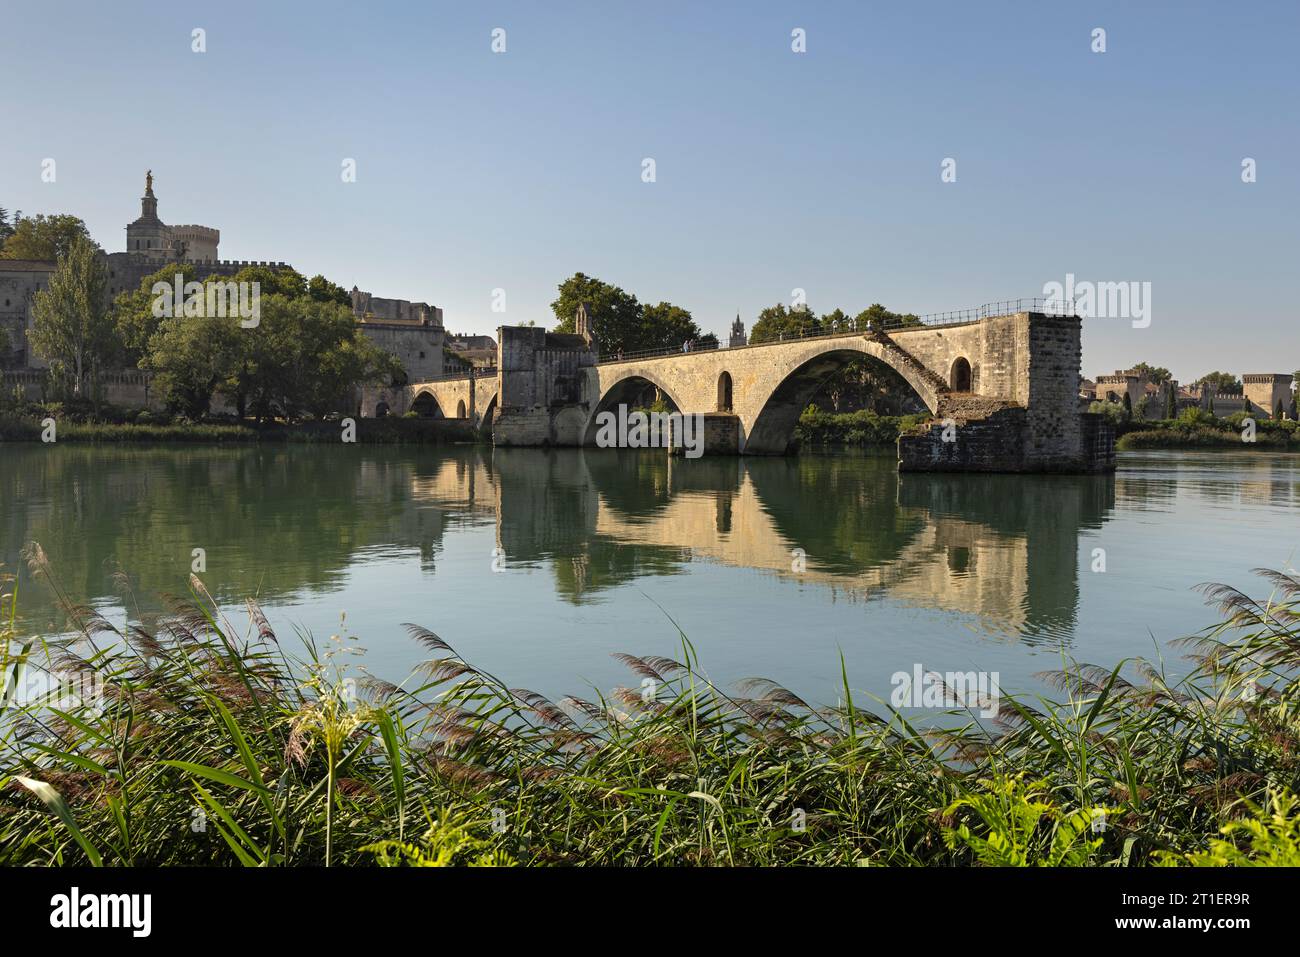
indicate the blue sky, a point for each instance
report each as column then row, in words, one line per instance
column 775, row 170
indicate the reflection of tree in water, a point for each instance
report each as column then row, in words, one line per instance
column 549, row 505
column 276, row 521
column 272, row 519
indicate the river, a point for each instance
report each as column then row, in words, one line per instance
column 539, row 565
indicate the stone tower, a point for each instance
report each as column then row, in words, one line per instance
column 582, row 323
column 148, row 234
column 738, row 337
column 1266, row 389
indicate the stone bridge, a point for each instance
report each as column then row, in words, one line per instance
column 471, row 396
column 1002, row 390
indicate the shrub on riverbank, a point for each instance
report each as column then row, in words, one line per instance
column 863, row 428
column 390, row 430
column 1197, row 429
column 203, row 743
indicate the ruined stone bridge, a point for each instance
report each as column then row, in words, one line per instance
column 1003, row 392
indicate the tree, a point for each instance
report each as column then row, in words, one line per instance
column 780, row 322
column 305, row 356
column 615, row 315
column 71, row 325
column 1158, row 375
column 322, row 290
column 879, row 318
column 1128, row 408
column 665, row 326
column 619, row 322
column 190, row 357
column 1171, row 400
column 44, row 237
column 6, row 226
column 133, row 312
column 1223, row 383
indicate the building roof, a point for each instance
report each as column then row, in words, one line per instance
column 26, row 265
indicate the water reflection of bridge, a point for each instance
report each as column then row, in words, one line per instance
column 1002, row 548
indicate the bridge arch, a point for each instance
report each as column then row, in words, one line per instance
column 485, row 424
column 621, row 391
column 460, row 409
column 425, row 404
column 771, row 414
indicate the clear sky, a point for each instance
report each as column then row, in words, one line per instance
column 775, row 170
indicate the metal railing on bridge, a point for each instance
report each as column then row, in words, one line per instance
column 478, row 373
column 851, row 327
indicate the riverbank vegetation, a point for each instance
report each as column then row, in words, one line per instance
column 1197, row 428
column 864, row 427
column 196, row 740
column 78, row 420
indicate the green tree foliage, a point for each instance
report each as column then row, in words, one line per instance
column 133, row 312
column 781, row 322
column 6, row 227
column 1171, row 401
column 665, row 326
column 71, row 325
column 43, row 237
column 1128, row 407
column 190, row 357
column 305, row 356
column 1222, row 382
column 1156, row 374
column 621, row 323
column 322, row 290
column 878, row 317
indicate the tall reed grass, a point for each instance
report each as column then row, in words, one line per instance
column 207, row 743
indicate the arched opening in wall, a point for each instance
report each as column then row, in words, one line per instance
column 846, row 380
column 381, row 410
column 724, row 392
column 610, row 419
column 426, row 406
column 959, row 380
column 486, row 425
column 460, row 409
